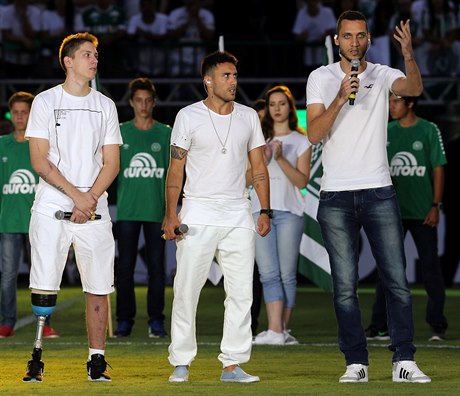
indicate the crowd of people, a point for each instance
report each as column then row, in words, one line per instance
column 166, row 38
column 235, row 178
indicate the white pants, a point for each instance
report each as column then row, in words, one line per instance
column 50, row 240
column 234, row 250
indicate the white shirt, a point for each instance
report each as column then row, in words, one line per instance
column 354, row 154
column 284, row 195
column 151, row 60
column 215, row 186
column 316, row 26
column 77, row 128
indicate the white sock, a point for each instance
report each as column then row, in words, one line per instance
column 93, row 351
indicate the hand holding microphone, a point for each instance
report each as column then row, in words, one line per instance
column 182, row 229
column 61, row 215
column 354, row 67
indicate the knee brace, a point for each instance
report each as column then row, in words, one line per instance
column 43, row 304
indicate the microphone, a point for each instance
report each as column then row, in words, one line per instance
column 182, row 229
column 354, row 67
column 61, row 215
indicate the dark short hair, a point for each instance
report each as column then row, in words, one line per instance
column 71, row 44
column 141, row 83
column 350, row 15
column 20, row 96
column 408, row 99
column 259, row 104
column 215, row 58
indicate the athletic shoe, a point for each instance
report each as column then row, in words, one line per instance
column 408, row 371
column 157, row 329
column 97, row 368
column 34, row 371
column 6, row 331
column 238, row 375
column 269, row 337
column 437, row 337
column 180, row 374
column 289, row 339
column 355, row 373
column 379, row 334
column 123, row 329
column 49, row 332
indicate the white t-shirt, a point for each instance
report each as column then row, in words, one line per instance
column 284, row 195
column 152, row 59
column 215, row 186
column 354, row 154
column 316, row 26
column 10, row 20
column 54, row 24
column 187, row 60
column 77, row 128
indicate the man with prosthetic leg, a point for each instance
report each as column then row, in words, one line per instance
column 43, row 305
column 74, row 137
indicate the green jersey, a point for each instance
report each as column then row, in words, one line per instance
column 144, row 161
column 413, row 152
column 18, row 181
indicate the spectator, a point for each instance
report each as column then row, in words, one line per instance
column 17, row 181
column 189, row 24
column 380, row 31
column 287, row 155
column 144, row 159
column 450, row 260
column 107, row 21
column 148, row 32
column 312, row 24
column 58, row 21
column 21, row 38
column 416, row 156
column 440, row 51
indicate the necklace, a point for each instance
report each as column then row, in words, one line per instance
column 223, row 150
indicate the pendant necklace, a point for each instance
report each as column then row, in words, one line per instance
column 223, row 149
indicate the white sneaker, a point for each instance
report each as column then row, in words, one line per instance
column 355, row 373
column 269, row 337
column 408, row 371
column 289, row 339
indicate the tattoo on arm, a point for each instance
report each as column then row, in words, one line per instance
column 258, row 178
column 178, row 153
column 59, row 188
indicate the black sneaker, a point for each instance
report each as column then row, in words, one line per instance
column 378, row 334
column 34, row 372
column 97, row 368
column 157, row 329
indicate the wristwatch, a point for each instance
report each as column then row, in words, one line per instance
column 268, row 212
column 437, row 205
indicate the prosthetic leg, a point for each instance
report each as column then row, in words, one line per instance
column 43, row 305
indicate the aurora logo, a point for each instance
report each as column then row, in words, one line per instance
column 22, row 181
column 405, row 164
column 143, row 165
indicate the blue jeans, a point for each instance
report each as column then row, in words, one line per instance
column 426, row 242
column 341, row 216
column 128, row 238
column 11, row 246
column 277, row 257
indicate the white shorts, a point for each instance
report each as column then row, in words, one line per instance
column 94, row 245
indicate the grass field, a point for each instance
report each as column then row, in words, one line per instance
column 140, row 365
